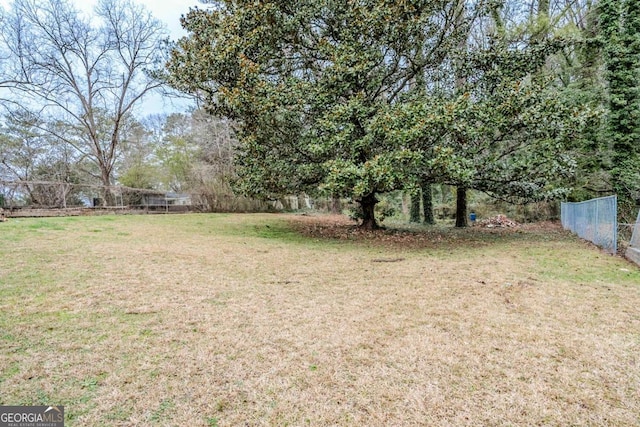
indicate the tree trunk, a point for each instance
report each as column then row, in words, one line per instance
column 543, row 20
column 414, row 213
column 108, row 198
column 427, row 204
column 543, row 9
column 368, row 204
column 460, row 83
column 335, row 206
column 461, row 207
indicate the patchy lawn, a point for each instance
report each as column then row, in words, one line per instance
column 226, row 320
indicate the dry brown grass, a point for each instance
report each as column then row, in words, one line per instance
column 206, row 320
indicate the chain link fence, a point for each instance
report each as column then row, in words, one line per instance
column 594, row 220
column 17, row 196
column 633, row 251
column 50, row 198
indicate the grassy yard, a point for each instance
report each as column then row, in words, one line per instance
column 273, row 320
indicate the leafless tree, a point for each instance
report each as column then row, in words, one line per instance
column 89, row 72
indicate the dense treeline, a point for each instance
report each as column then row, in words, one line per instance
column 525, row 101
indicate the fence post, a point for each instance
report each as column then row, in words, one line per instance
column 615, row 224
column 64, row 195
column 596, row 228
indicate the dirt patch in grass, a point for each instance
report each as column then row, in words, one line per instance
column 242, row 320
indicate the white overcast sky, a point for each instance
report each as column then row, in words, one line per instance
column 168, row 11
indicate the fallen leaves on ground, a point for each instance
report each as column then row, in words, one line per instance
column 339, row 227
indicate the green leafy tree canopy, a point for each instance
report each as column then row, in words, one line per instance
column 308, row 83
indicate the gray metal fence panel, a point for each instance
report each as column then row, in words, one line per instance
column 594, row 220
column 633, row 251
column 635, row 239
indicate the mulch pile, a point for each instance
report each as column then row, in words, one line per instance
column 498, row 221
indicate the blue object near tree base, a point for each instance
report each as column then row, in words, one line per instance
column 472, row 217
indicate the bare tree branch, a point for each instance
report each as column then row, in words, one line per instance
column 88, row 71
